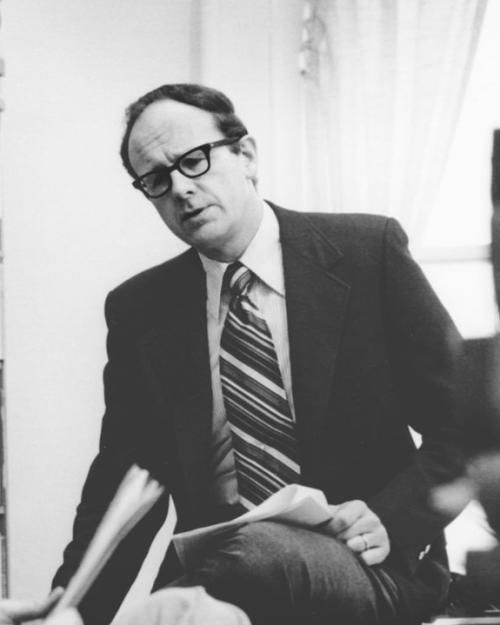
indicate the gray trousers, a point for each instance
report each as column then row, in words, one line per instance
column 285, row 575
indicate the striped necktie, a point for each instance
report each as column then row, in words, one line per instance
column 257, row 408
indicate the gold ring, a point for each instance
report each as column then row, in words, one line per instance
column 366, row 545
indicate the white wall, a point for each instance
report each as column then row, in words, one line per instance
column 250, row 49
column 73, row 225
column 73, row 228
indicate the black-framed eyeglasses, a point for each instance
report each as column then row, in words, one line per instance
column 191, row 164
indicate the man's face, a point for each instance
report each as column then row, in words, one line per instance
column 218, row 212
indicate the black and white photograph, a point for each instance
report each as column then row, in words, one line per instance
column 249, row 294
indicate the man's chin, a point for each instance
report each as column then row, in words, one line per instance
column 205, row 237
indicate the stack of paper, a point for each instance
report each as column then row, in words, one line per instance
column 294, row 504
column 135, row 496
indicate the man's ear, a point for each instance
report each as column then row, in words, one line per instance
column 248, row 152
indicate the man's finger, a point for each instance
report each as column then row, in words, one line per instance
column 346, row 515
column 375, row 555
column 359, row 543
column 367, row 524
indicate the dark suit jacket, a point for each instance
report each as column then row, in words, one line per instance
column 372, row 350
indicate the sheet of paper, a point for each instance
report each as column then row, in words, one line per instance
column 135, row 496
column 294, row 504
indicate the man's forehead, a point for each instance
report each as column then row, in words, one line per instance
column 170, row 127
column 169, row 117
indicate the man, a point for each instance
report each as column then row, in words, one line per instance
column 354, row 347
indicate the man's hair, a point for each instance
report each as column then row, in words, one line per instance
column 202, row 97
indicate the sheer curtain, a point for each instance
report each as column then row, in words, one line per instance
column 382, row 86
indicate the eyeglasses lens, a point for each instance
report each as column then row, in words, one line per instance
column 194, row 164
column 156, row 183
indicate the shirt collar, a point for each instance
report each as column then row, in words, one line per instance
column 262, row 257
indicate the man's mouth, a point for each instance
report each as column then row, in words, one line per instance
column 192, row 213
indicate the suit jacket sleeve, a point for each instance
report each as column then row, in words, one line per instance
column 424, row 347
column 123, row 442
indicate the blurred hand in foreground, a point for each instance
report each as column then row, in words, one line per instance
column 181, row 606
column 14, row 611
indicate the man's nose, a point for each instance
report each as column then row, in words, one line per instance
column 181, row 185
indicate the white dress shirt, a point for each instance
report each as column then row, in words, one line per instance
column 263, row 257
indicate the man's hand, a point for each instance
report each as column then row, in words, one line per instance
column 360, row 529
column 14, row 611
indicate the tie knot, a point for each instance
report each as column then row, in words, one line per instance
column 237, row 278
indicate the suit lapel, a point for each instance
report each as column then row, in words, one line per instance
column 178, row 356
column 177, row 351
column 316, row 302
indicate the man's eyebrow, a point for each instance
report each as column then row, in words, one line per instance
column 178, row 156
column 159, row 165
column 181, row 154
column 194, row 147
column 162, row 166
